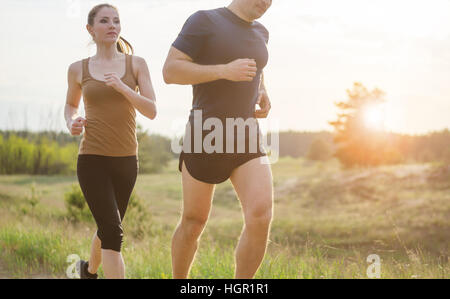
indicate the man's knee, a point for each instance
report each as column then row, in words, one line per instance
column 194, row 224
column 111, row 236
column 260, row 215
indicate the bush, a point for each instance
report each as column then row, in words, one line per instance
column 75, row 202
column 154, row 152
column 138, row 219
column 22, row 156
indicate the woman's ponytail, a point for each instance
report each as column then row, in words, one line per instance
column 123, row 46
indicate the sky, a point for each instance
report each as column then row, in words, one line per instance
column 317, row 50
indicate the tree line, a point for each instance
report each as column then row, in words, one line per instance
column 51, row 153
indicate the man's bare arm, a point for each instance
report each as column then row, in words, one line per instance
column 262, row 86
column 179, row 68
column 263, row 100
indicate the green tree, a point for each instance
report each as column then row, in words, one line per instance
column 154, row 151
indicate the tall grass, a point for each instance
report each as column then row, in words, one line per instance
column 29, row 251
column 326, row 223
column 38, row 252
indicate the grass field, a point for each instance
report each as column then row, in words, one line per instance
column 326, row 223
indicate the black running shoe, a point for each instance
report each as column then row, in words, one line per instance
column 82, row 268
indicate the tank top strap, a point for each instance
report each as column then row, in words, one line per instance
column 85, row 70
column 129, row 67
column 128, row 62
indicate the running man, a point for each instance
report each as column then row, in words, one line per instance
column 222, row 53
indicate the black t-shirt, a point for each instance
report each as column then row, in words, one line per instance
column 218, row 36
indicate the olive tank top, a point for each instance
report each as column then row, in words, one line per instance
column 111, row 119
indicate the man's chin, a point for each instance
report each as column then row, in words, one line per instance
column 257, row 16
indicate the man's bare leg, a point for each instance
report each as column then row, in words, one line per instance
column 253, row 184
column 197, row 197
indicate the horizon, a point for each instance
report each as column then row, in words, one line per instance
column 400, row 48
column 266, row 132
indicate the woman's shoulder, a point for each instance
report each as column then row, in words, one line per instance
column 76, row 66
column 76, row 69
column 138, row 63
column 137, row 60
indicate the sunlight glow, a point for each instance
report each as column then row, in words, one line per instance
column 374, row 117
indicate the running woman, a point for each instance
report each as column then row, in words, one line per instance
column 107, row 163
column 222, row 53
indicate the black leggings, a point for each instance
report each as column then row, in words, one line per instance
column 107, row 183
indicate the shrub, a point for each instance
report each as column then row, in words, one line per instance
column 75, row 202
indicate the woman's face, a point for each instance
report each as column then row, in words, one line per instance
column 106, row 27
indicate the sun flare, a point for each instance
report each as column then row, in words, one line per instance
column 374, row 117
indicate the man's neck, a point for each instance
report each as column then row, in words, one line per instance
column 237, row 10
